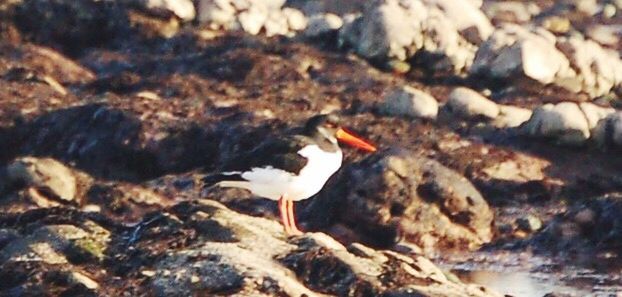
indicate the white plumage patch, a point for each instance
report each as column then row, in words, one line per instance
column 272, row 183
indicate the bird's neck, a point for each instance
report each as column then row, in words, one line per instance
column 325, row 142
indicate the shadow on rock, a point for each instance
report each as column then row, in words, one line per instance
column 113, row 144
column 590, row 225
column 71, row 25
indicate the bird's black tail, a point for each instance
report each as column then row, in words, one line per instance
column 212, row 180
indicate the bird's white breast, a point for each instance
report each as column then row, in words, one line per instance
column 272, row 183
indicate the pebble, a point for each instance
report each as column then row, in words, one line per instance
column 410, row 102
column 470, row 104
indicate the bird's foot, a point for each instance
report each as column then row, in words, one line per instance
column 293, row 231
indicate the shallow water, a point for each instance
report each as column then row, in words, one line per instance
column 526, row 275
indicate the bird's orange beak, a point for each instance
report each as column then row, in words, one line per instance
column 354, row 141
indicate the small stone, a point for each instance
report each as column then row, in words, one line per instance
column 295, row 19
column 194, row 279
column 609, row 11
column 511, row 116
column 410, row 102
column 91, row 208
column 148, row 273
column 605, row 34
column 585, row 216
column 608, row 131
column 564, row 122
column 470, row 104
column 530, row 223
column 77, row 277
column 323, row 23
column 398, row 67
column 594, row 113
column 253, row 19
column 557, row 24
column 511, row 11
column 184, row 9
column 148, row 95
column 276, row 24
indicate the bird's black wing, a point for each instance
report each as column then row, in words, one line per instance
column 281, row 153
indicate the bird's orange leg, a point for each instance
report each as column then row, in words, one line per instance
column 292, row 218
column 283, row 213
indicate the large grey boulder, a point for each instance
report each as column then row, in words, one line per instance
column 573, row 63
column 599, row 70
column 514, row 50
column 398, row 193
column 392, row 29
column 567, row 122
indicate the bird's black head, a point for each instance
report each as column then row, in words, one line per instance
column 327, row 127
column 322, row 125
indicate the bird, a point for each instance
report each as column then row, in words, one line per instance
column 290, row 167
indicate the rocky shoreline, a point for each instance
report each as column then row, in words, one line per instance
column 498, row 125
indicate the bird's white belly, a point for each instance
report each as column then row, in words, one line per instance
column 273, row 183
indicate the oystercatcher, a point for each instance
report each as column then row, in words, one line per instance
column 290, row 168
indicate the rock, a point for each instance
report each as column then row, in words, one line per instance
column 219, row 14
column 175, row 277
column 521, row 169
column 295, row 19
column 564, row 122
column 253, row 20
column 59, row 244
column 587, row 225
column 608, row 131
column 323, row 23
column 77, row 277
column 70, row 25
column 529, row 223
column 251, row 16
column 589, row 7
column 572, row 63
column 594, row 113
column 262, row 261
column 410, row 102
column 6, row 236
column 466, row 15
column 557, row 24
column 276, row 24
column 511, row 116
column 608, row 35
column 392, row 29
column 116, row 144
column 184, row 9
column 470, row 104
column 514, row 50
column 433, row 206
column 511, row 11
column 398, row 67
column 48, row 176
column 599, row 70
column 609, row 11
